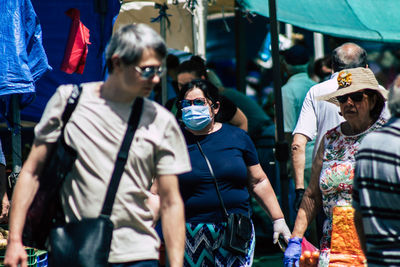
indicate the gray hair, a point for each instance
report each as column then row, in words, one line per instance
column 129, row 42
column 348, row 56
column 394, row 98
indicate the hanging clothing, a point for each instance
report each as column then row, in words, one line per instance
column 77, row 46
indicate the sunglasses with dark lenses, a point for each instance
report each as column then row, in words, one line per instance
column 149, row 71
column 355, row 97
column 196, row 102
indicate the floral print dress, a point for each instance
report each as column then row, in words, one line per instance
column 336, row 178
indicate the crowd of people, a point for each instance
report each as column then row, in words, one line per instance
column 207, row 156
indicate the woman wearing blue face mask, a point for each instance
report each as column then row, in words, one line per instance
column 233, row 160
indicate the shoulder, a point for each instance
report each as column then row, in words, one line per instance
column 233, row 133
column 88, row 88
column 232, row 129
column 325, row 87
column 156, row 111
column 332, row 133
column 388, row 130
column 64, row 91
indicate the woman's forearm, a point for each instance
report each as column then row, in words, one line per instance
column 265, row 196
column 305, row 215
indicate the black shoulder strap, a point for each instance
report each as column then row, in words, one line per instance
column 122, row 156
column 71, row 104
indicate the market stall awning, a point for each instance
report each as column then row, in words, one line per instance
column 374, row 20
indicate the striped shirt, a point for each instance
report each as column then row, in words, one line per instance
column 376, row 193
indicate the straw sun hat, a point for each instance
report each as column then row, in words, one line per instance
column 353, row 80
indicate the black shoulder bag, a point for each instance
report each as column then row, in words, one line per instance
column 45, row 207
column 237, row 235
column 86, row 243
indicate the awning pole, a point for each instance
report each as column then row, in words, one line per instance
column 200, row 28
column 16, row 134
column 164, row 89
column 318, row 45
column 240, row 40
column 281, row 149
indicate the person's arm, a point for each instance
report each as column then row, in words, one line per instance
column 263, row 192
column 23, row 195
column 298, row 148
column 308, row 209
column 299, row 159
column 173, row 220
column 5, row 204
column 239, row 120
column 312, row 199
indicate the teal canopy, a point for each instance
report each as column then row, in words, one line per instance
column 373, row 20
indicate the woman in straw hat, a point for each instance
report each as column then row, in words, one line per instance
column 362, row 104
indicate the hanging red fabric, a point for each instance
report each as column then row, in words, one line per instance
column 77, row 46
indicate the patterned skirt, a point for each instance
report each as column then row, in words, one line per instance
column 202, row 247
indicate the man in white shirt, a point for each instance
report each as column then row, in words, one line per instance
column 316, row 117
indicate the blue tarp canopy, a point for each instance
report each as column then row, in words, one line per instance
column 55, row 26
column 373, row 20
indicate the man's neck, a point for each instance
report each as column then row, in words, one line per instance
column 112, row 90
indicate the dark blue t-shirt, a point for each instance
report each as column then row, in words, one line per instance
column 229, row 150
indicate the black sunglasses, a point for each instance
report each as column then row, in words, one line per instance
column 197, row 102
column 149, row 71
column 355, row 97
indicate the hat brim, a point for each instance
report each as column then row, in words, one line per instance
column 351, row 89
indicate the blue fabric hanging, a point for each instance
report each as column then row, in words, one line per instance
column 23, row 60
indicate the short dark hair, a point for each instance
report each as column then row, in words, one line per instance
column 172, row 61
column 319, row 63
column 194, row 65
column 348, row 56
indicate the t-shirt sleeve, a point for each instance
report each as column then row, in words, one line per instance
column 226, row 111
column 172, row 156
column 307, row 122
column 249, row 152
column 49, row 127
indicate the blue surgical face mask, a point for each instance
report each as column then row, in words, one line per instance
column 196, row 117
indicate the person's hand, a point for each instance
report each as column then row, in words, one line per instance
column 15, row 255
column 5, row 207
column 293, row 252
column 280, row 227
column 299, row 197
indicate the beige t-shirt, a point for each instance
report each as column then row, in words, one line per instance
column 96, row 130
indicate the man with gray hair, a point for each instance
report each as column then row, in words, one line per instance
column 95, row 131
column 376, row 193
column 316, row 117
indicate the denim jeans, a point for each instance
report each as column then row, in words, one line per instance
column 146, row 263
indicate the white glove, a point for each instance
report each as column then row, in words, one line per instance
column 280, row 227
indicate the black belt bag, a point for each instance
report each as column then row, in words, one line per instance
column 237, row 235
column 83, row 243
